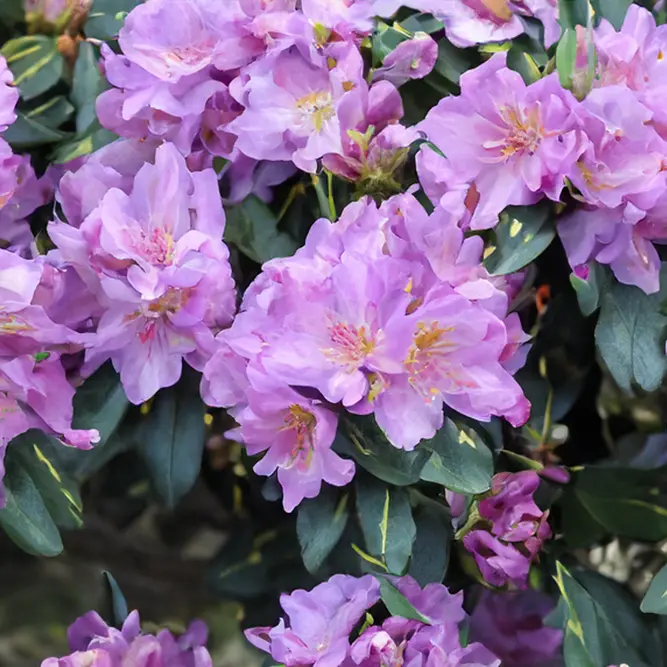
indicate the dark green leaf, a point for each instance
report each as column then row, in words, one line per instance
column 523, row 233
column 612, row 10
column 460, row 459
column 172, row 440
column 320, row 523
column 453, row 62
column 523, row 63
column 53, row 113
column 35, row 62
column 100, row 403
column 422, row 23
column 386, row 522
column 600, row 624
column 116, row 603
column 253, row 229
column 625, row 501
column 589, row 290
column 430, row 554
column 39, row 455
column 27, row 133
column 385, row 40
column 97, row 137
column 362, row 439
column 573, row 12
column 655, row 600
column 25, row 517
column 88, row 83
column 630, row 335
column 106, row 17
column 397, row 604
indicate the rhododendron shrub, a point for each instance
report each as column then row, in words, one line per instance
column 379, row 285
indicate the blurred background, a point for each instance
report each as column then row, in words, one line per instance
column 160, row 560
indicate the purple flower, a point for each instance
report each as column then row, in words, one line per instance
column 633, row 57
column 200, row 33
column 154, row 258
column 320, row 622
column 624, row 161
column 95, row 644
column 515, row 142
column 408, row 642
column 411, row 59
column 29, row 194
column 518, row 529
column 510, row 624
column 620, row 237
column 510, row 508
column 291, row 106
column 500, row 564
column 374, row 144
column 296, row 433
column 345, row 17
column 9, row 96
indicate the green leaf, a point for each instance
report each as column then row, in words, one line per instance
column 35, row 62
column 397, row 604
column 630, row 335
column 25, row 517
column 172, row 441
column 612, row 10
column 460, row 461
column 566, row 57
column 253, row 229
column 432, row 547
column 386, row 522
column 452, row 62
column 320, row 524
column 655, row 600
column 625, row 501
column 363, row 440
column 88, row 83
column 40, row 456
column 106, row 17
column 26, row 133
column 422, row 23
column 116, row 604
column 100, row 403
column 95, row 138
column 601, row 626
column 523, row 233
column 573, row 12
column 53, row 113
column 524, row 64
column 590, row 290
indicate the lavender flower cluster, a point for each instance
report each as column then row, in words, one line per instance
column 330, row 626
column 96, row 644
column 387, row 311
column 508, row 143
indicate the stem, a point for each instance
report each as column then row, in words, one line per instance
column 332, row 203
column 321, row 197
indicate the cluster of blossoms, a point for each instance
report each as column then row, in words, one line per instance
column 388, row 311
column 38, row 326
column 506, row 529
column 262, row 82
column 95, row 644
column 324, row 630
column 144, row 234
column 508, row 143
column 282, row 81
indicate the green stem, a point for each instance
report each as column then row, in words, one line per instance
column 321, row 197
column 332, row 203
